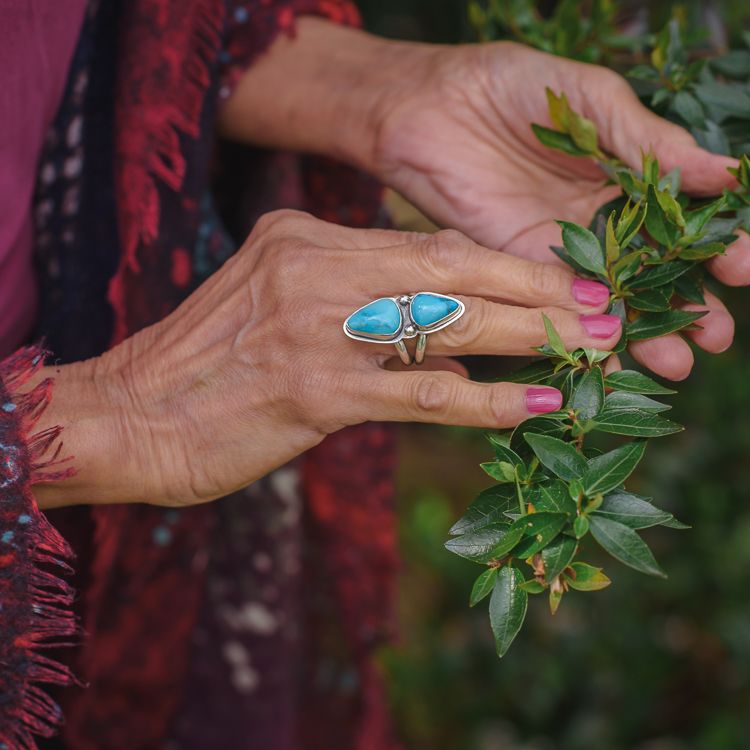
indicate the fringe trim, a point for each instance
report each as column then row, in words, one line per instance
column 150, row 151
column 37, row 611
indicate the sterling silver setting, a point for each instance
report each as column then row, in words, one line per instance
column 408, row 327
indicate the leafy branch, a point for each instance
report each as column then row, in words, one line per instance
column 553, row 488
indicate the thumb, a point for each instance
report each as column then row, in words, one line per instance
column 633, row 127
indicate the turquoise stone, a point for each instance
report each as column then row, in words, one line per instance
column 429, row 309
column 380, row 318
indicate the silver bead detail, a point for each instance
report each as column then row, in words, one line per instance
column 403, row 300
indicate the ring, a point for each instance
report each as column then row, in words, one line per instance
column 391, row 320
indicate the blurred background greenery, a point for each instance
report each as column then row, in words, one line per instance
column 646, row 664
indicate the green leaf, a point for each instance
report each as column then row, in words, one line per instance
column 503, row 451
column 673, row 523
column 539, row 530
column 659, row 275
column 483, row 586
column 536, row 372
column 541, row 425
column 559, row 457
column 588, row 395
column 500, row 471
column 554, row 339
column 583, row 246
column 558, row 555
column 489, row 507
column 587, row 578
column 690, row 287
column 703, row 252
column 630, row 401
column 625, row 545
column 508, row 605
column 635, row 423
column 688, row 108
column 559, row 141
column 698, row 218
column 489, row 543
column 658, row 223
column 581, row 526
column 533, row 586
column 652, row 300
column 632, row 381
column 610, row 470
column 651, row 325
column 631, row 510
column 611, row 244
column 552, row 496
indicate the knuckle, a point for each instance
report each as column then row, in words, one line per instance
column 499, row 403
column 432, row 395
column 544, row 281
column 445, row 252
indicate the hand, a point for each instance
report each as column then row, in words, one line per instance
column 254, row 368
column 455, row 139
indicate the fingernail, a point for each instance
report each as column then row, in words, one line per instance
column 543, row 400
column 600, row 326
column 589, row 292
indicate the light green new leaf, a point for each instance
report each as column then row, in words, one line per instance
column 610, row 470
column 500, row 471
column 554, row 339
column 559, row 141
column 587, row 578
column 508, row 605
column 625, row 545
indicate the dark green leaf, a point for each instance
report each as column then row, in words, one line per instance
column 635, row 423
column 536, row 372
column 632, row 381
column 539, row 530
column 690, row 287
column 552, row 496
column 587, row 578
column 489, row 507
column 538, row 426
column 631, row 510
column 559, row 457
column 652, row 300
column 507, row 608
column 610, row 470
column 658, row 223
column 583, row 246
column 488, row 543
column 625, row 400
column 688, row 108
column 483, row 586
column 557, row 556
column 502, row 451
column 625, row 545
column 588, row 395
column 673, row 523
column 659, row 275
column 651, row 325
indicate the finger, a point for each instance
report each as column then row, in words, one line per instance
column 448, row 364
column 451, row 263
column 612, row 364
column 491, row 328
column 447, row 398
column 669, row 356
column 627, row 126
column 733, row 268
column 716, row 331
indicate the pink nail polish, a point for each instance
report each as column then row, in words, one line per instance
column 589, row 292
column 543, row 400
column 600, row 326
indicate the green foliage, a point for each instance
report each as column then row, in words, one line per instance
column 581, row 30
column 647, row 247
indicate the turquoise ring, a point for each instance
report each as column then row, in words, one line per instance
column 391, row 320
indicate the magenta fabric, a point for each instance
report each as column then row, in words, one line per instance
column 37, row 39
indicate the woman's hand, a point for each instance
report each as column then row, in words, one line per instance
column 454, row 137
column 254, row 368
